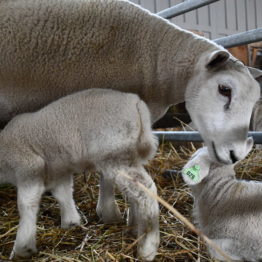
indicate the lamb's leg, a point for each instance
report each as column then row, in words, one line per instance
column 132, row 218
column 147, row 209
column 28, row 199
column 63, row 192
column 107, row 208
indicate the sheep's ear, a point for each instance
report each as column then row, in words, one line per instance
column 197, row 168
column 217, row 59
column 256, row 73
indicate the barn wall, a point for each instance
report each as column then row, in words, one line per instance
column 222, row 18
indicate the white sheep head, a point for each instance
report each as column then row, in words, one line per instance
column 219, row 98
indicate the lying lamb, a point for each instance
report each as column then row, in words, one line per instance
column 227, row 210
column 40, row 151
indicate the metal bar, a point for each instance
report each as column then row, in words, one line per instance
column 241, row 38
column 192, row 136
column 184, row 7
column 244, row 38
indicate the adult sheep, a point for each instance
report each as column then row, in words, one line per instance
column 50, row 48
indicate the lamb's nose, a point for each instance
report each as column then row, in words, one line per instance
column 233, row 157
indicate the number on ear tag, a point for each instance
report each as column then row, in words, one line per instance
column 192, row 172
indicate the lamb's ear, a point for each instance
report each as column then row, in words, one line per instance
column 216, row 59
column 197, row 168
column 256, row 73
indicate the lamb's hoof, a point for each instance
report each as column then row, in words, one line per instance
column 69, row 225
column 73, row 222
column 112, row 217
column 145, row 256
column 147, row 248
column 24, row 252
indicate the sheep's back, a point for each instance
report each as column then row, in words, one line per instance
column 92, row 124
column 51, row 48
column 235, row 214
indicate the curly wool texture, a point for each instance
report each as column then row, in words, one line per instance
column 52, row 48
column 41, row 150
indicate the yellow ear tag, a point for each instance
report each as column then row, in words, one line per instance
column 192, row 172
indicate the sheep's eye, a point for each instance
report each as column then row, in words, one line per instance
column 224, row 90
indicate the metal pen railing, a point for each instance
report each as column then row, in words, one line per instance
column 184, row 7
column 193, row 136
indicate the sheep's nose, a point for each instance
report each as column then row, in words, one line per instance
column 233, row 157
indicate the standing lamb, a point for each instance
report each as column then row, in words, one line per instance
column 50, row 48
column 226, row 209
column 40, row 151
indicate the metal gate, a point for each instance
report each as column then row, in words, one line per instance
column 221, row 18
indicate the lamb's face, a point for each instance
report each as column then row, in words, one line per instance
column 220, row 98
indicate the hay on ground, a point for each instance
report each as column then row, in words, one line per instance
column 94, row 241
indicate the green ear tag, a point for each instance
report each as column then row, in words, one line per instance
column 192, row 172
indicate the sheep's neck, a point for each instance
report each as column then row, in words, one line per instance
column 178, row 51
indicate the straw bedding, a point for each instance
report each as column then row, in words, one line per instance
column 94, row 241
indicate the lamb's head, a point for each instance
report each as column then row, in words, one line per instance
column 220, row 97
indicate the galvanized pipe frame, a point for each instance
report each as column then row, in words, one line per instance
column 228, row 41
column 244, row 38
column 193, row 136
column 184, row 7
